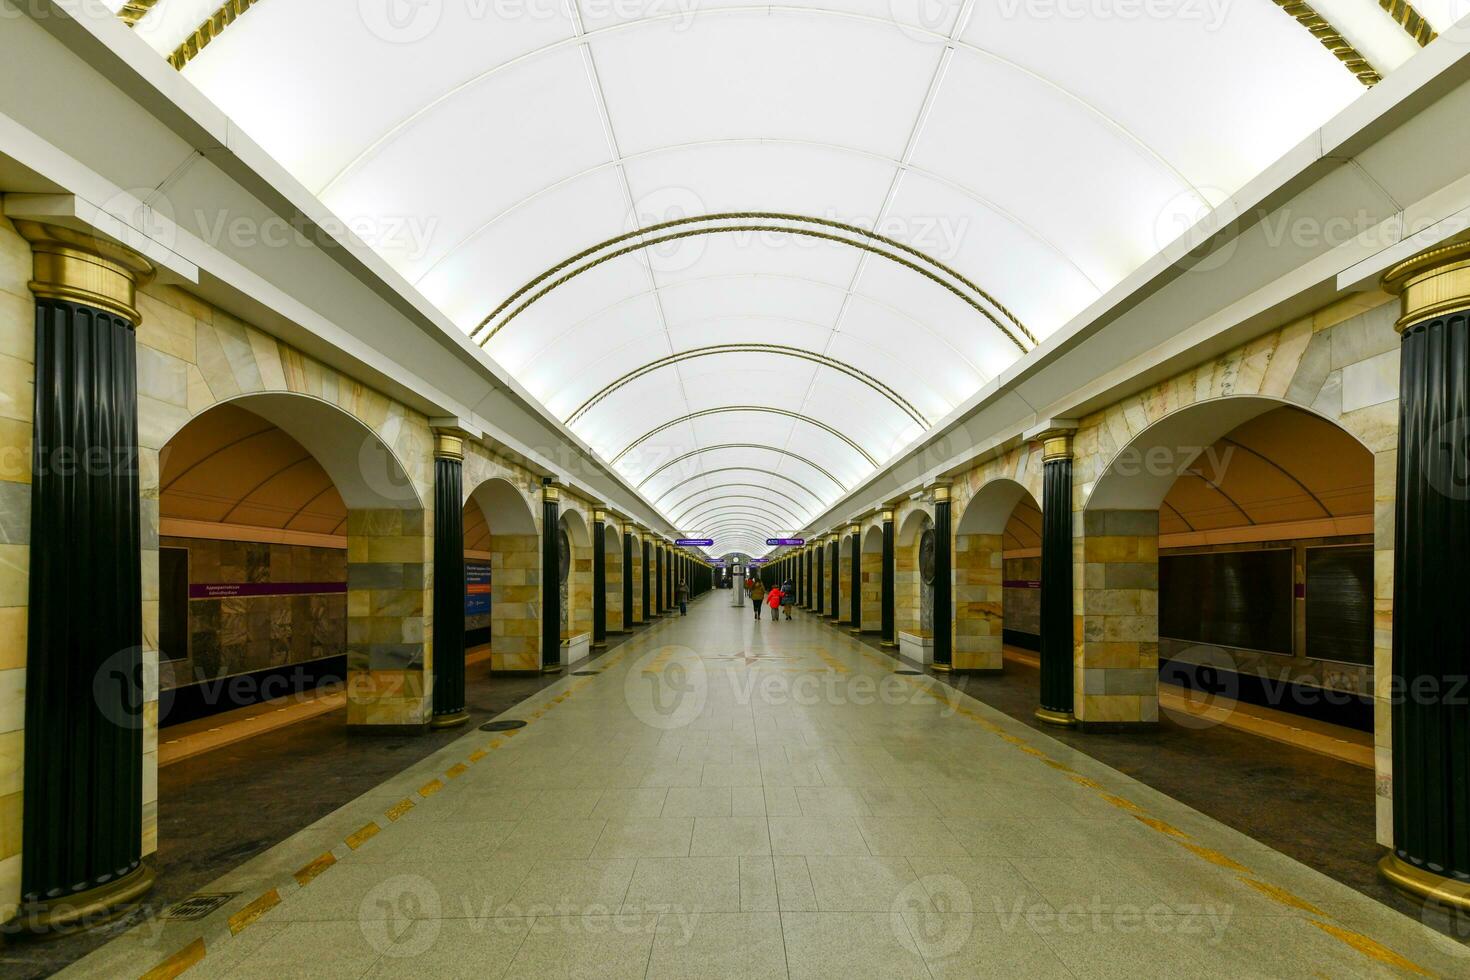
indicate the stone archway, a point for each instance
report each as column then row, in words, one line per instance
column 980, row 582
column 514, row 547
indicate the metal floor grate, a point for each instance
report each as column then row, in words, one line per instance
column 197, row 907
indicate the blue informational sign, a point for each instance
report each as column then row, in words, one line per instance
column 785, row 542
column 477, row 588
column 694, row 542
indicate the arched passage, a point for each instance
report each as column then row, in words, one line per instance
column 512, row 545
column 291, row 550
column 913, row 578
column 612, row 575
column 575, row 575
column 845, row 577
column 872, row 583
column 997, row 573
column 1233, row 539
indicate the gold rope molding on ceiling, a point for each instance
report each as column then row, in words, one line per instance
column 825, row 360
column 488, row 327
column 764, row 409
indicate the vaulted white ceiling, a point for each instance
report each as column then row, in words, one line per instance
column 1030, row 153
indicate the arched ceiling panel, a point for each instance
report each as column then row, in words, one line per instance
column 230, row 466
column 1032, row 160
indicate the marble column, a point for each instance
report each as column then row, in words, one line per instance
column 448, row 627
column 886, row 637
column 599, row 578
column 1428, row 706
column 943, row 581
column 855, row 600
column 550, row 578
column 86, row 679
column 1057, row 626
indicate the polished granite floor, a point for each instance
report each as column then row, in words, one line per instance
column 729, row 798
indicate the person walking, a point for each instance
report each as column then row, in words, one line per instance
column 788, row 596
column 774, row 599
column 757, row 595
column 681, row 593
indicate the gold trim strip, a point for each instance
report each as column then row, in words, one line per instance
column 447, row 445
column 176, row 964
column 1331, row 39
column 135, row 10
column 1413, row 22
column 206, row 32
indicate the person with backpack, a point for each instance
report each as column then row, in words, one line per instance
column 788, row 596
column 757, row 595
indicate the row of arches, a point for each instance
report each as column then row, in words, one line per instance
column 1235, row 535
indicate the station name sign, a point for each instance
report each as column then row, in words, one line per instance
column 694, row 542
column 785, row 542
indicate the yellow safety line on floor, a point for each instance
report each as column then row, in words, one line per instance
column 307, row 872
column 1363, row 944
column 178, row 962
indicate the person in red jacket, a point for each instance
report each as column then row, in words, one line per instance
column 773, row 599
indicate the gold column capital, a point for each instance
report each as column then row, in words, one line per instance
column 550, row 492
column 599, row 516
column 1432, row 283
column 448, row 444
column 940, row 491
column 854, row 529
column 75, row 267
column 1056, row 445
column 886, row 515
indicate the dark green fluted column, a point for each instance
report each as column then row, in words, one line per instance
column 81, row 835
column 550, row 578
column 627, row 577
column 943, row 581
column 1429, row 707
column 835, row 559
column 819, row 580
column 886, row 637
column 1056, row 581
column 448, row 637
column 599, row 578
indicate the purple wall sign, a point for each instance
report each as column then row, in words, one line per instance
column 785, row 542
column 231, row 590
column 694, row 542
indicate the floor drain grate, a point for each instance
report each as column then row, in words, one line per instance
column 911, row 673
column 197, row 907
column 502, row 726
column 585, row 673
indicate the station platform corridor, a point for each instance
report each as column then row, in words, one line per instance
column 721, row 797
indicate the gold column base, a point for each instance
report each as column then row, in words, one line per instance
column 599, row 644
column 1424, row 884
column 93, row 907
column 942, row 668
column 449, row 721
column 887, row 644
column 1064, row 719
column 551, row 669
column 855, row 631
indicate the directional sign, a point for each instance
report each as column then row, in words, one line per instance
column 694, row 542
column 785, row 542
